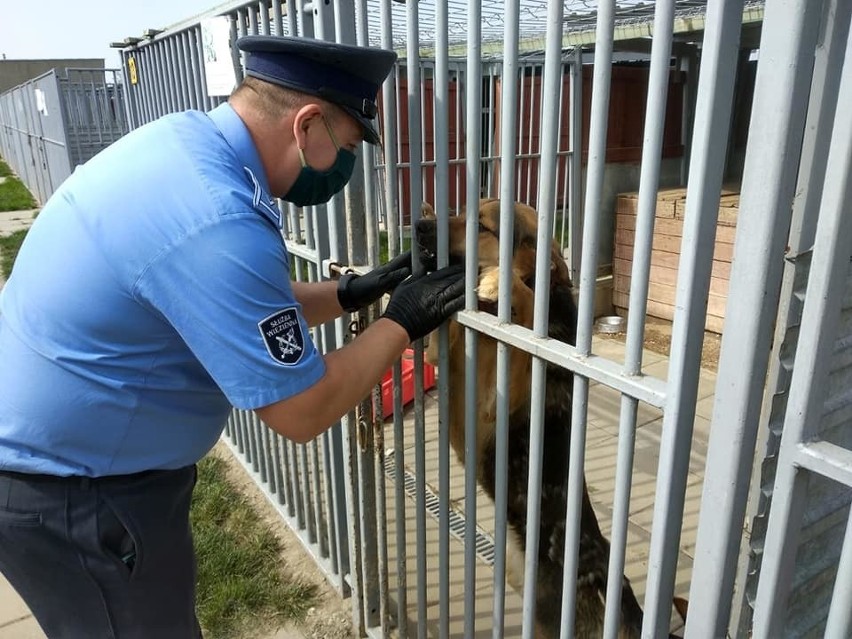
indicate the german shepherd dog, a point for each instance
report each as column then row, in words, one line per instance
column 594, row 547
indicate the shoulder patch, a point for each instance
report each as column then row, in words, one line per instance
column 282, row 334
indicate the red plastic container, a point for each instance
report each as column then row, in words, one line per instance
column 407, row 382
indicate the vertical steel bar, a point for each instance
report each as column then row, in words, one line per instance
column 196, row 71
column 238, row 432
column 288, row 463
column 243, row 26
column 460, row 84
column 390, row 115
column 277, row 466
column 251, row 15
column 441, row 130
column 769, row 180
column 839, row 623
column 74, row 122
column 687, row 65
column 277, row 18
column 416, row 196
column 160, row 81
column 333, row 505
column 820, row 320
column 518, row 163
column 145, row 86
column 546, row 204
column 276, row 486
column 294, row 20
column 317, row 498
column 178, row 73
column 238, row 29
column 712, row 119
column 186, row 81
column 533, row 163
column 254, row 438
column 188, row 72
column 298, row 504
column 588, row 278
column 377, row 453
column 575, row 170
column 305, row 488
column 562, row 165
column 508, row 142
column 199, row 56
column 473, row 154
column 140, row 89
column 248, row 437
column 260, row 431
column 652, row 146
column 169, row 73
column 100, row 109
column 264, row 26
column 828, row 65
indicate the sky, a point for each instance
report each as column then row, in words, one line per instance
column 84, row 28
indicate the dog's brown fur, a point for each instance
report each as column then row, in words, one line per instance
column 594, row 547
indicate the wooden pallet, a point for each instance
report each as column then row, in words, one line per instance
column 665, row 253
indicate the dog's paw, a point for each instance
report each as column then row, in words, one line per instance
column 489, row 285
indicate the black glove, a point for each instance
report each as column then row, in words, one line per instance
column 421, row 304
column 357, row 291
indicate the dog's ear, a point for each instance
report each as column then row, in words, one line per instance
column 524, row 264
column 426, row 210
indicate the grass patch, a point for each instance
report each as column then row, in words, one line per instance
column 14, row 196
column 239, row 580
column 5, row 171
column 9, row 247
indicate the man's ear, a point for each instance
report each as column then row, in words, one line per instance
column 302, row 120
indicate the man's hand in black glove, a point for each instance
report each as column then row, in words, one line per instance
column 421, row 304
column 357, row 291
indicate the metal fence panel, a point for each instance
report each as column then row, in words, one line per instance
column 94, row 109
column 808, row 515
column 59, row 120
column 33, row 140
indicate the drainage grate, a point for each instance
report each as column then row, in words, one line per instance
column 484, row 541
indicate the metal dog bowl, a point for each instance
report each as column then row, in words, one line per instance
column 610, row 324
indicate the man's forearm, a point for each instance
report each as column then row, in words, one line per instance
column 318, row 300
column 351, row 372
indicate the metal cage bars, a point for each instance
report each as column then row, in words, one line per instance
column 772, row 162
column 280, row 464
column 802, row 454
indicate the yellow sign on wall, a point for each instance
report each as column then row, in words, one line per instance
column 131, row 67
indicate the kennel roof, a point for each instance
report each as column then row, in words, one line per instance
column 633, row 20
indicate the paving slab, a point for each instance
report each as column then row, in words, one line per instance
column 16, row 621
column 12, row 221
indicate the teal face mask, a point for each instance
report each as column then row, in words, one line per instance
column 318, row 187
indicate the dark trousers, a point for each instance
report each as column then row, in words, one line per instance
column 106, row 558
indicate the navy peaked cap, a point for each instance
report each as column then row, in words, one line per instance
column 345, row 75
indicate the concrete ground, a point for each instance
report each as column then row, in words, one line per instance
column 600, row 462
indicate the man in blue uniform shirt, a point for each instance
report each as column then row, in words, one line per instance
column 151, row 295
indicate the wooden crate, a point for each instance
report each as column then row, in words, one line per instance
column 665, row 253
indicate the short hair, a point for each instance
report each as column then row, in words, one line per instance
column 274, row 101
